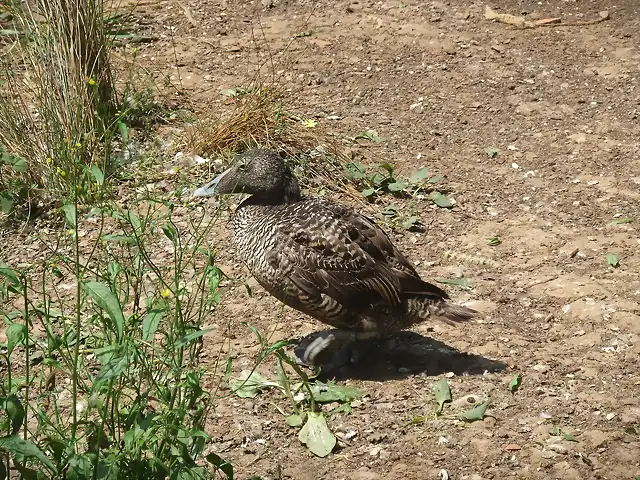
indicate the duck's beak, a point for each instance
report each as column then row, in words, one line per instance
column 209, row 189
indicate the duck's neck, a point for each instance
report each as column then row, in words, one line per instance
column 288, row 193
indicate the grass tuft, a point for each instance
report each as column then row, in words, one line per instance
column 259, row 118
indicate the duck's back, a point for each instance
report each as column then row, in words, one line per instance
column 330, row 262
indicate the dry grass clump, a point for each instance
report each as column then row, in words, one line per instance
column 260, row 119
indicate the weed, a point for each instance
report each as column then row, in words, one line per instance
column 102, row 375
column 442, row 393
column 380, row 180
column 305, row 394
column 62, row 118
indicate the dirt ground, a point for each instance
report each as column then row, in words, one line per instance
column 442, row 84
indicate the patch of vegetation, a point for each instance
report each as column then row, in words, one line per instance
column 442, row 393
column 103, row 338
column 305, row 395
column 60, row 114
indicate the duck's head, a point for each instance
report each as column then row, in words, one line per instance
column 259, row 172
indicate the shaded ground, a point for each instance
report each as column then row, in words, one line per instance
column 442, row 84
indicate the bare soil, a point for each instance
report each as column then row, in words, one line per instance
column 442, row 84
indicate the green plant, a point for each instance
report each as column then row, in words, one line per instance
column 442, row 393
column 108, row 371
column 382, row 179
column 62, row 116
column 305, row 395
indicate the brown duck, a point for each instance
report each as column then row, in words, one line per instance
column 322, row 258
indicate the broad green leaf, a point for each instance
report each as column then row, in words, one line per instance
column 355, row 170
column 514, row 384
column 419, row 175
column 612, row 259
column 436, row 179
column 229, row 92
column 15, row 412
column 388, row 168
column 368, row 192
column 70, row 213
column 459, row 282
column 492, row 152
column 418, row 420
column 15, row 445
column 102, row 295
column 10, row 275
column 342, row 408
column 184, row 341
column 222, row 465
column 442, row 392
column 441, row 200
column 117, row 363
column 277, row 346
column 476, row 413
column 397, row 186
column 493, row 241
column 569, row 437
column 150, row 323
column 134, row 220
column 378, row 179
column 16, row 334
column 97, row 174
column 294, row 420
column 332, row 392
column 371, row 135
column 6, row 202
column 124, row 132
column 315, row 434
column 81, row 466
column 249, row 384
column 108, row 237
column 620, row 221
column 170, row 232
column 19, row 164
column 14, row 283
column 410, row 222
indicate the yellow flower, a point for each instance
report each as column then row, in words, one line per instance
column 91, row 81
column 49, row 160
column 61, row 172
column 166, row 293
column 310, row 123
column 53, row 265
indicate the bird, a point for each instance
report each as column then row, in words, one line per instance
column 324, row 258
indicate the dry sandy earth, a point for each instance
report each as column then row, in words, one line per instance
column 441, row 84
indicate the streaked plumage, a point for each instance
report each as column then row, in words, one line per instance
column 322, row 258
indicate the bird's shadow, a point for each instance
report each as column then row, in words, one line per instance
column 407, row 353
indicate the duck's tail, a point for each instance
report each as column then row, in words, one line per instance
column 422, row 308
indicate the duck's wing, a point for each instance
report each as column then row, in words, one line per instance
column 330, row 250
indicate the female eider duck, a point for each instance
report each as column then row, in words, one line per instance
column 324, row 259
